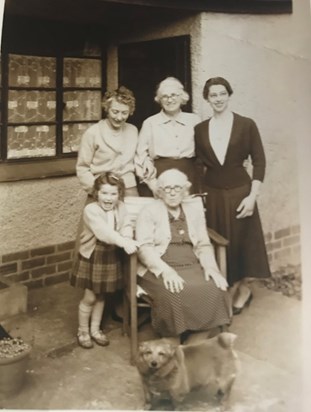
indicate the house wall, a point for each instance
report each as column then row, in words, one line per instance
column 265, row 60
column 38, row 224
column 261, row 56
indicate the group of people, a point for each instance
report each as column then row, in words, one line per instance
column 173, row 156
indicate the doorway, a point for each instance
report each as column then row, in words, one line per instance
column 143, row 65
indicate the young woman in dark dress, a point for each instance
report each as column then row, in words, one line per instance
column 223, row 144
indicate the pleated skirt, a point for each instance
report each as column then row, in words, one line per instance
column 102, row 272
column 246, row 252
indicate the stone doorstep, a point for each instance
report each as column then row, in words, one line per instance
column 13, row 298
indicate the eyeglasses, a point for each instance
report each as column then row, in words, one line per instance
column 168, row 189
column 172, row 96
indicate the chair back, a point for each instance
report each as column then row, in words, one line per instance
column 134, row 204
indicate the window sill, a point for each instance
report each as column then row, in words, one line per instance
column 38, row 169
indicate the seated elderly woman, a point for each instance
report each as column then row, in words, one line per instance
column 177, row 266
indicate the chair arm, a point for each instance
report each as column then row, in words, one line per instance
column 217, row 238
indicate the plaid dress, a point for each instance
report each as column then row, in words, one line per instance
column 200, row 306
column 102, row 272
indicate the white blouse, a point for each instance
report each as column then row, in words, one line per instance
column 219, row 134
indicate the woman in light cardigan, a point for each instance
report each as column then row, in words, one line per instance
column 177, row 266
column 110, row 144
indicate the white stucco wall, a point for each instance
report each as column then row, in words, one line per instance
column 263, row 57
column 39, row 213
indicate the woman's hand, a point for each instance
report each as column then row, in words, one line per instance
column 129, row 245
column 217, row 277
column 148, row 169
column 246, row 207
column 172, row 281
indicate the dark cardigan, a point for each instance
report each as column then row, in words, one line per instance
column 244, row 141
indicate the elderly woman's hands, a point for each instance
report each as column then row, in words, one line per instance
column 217, row 277
column 172, row 281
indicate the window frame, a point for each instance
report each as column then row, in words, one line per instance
column 62, row 164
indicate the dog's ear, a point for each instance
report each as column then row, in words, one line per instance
column 226, row 339
column 139, row 360
column 169, row 347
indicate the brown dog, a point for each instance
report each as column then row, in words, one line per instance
column 172, row 371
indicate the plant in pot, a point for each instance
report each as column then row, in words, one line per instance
column 14, row 356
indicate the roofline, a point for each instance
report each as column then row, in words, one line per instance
column 222, row 6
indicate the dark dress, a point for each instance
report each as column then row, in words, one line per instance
column 227, row 184
column 185, row 165
column 200, row 305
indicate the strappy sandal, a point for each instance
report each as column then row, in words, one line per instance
column 100, row 338
column 84, row 340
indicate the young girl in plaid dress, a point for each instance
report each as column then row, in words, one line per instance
column 107, row 229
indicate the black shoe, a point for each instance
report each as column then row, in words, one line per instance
column 115, row 317
column 237, row 311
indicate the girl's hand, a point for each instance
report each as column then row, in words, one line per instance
column 217, row 277
column 130, row 246
column 172, row 281
column 246, row 207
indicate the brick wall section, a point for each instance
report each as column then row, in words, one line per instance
column 52, row 264
column 283, row 247
column 39, row 267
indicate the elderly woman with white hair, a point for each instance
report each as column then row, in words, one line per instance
column 166, row 139
column 177, row 266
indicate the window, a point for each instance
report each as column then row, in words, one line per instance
column 50, row 102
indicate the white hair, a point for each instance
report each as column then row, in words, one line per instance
column 171, row 81
column 172, row 176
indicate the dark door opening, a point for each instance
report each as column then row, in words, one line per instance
column 143, row 65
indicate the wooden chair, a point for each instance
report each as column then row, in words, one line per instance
column 131, row 302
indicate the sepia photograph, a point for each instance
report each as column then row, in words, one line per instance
column 154, row 205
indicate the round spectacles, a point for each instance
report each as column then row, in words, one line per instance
column 172, row 96
column 169, row 189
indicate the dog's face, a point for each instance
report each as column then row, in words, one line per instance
column 156, row 353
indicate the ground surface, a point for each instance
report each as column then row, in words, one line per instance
column 62, row 375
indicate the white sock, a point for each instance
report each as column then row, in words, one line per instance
column 85, row 312
column 97, row 316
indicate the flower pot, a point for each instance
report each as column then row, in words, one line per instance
column 13, row 373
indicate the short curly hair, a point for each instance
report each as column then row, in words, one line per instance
column 109, row 178
column 122, row 95
column 168, row 82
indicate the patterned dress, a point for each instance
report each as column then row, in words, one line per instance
column 200, row 305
